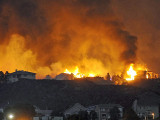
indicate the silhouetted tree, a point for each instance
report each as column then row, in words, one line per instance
column 73, row 117
column 1, row 116
column 108, row 76
column 93, row 115
column 6, row 75
column 129, row 114
column 114, row 114
column 83, row 115
column 1, row 77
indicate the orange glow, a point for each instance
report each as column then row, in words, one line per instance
column 147, row 76
column 23, row 118
column 76, row 35
column 91, row 75
column 77, row 74
column 132, row 73
column 67, row 71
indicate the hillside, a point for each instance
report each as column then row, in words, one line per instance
column 59, row 95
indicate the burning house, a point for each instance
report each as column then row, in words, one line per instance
column 143, row 74
column 64, row 76
column 87, row 35
column 151, row 75
column 17, row 75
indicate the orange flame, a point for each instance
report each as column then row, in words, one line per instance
column 77, row 74
column 132, row 73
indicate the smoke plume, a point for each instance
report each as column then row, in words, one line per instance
column 141, row 17
column 48, row 36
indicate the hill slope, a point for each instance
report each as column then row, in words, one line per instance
column 58, row 95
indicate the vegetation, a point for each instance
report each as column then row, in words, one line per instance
column 93, row 115
column 129, row 114
column 115, row 114
column 58, row 95
column 83, row 115
column 3, row 77
column 1, row 116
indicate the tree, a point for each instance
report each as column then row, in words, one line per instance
column 73, row 117
column 83, row 115
column 93, row 115
column 1, row 116
column 114, row 114
column 1, row 77
column 6, row 75
column 108, row 76
column 129, row 114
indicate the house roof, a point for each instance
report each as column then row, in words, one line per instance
column 22, row 72
column 148, row 99
column 64, row 76
column 77, row 105
column 109, row 105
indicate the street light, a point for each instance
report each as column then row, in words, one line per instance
column 10, row 116
column 153, row 115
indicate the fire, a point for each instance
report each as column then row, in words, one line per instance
column 77, row 74
column 67, row 71
column 91, row 75
column 147, row 76
column 132, row 73
column 84, row 36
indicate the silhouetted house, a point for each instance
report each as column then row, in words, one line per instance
column 57, row 118
column 42, row 118
column 64, row 76
column 146, row 106
column 141, row 74
column 36, row 118
column 42, row 112
column 46, row 118
column 75, row 109
column 48, row 77
column 155, row 75
column 17, row 75
column 151, row 75
column 103, row 110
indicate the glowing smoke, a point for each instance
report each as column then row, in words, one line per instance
column 49, row 36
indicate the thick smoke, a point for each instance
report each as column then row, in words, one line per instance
column 141, row 17
column 49, row 36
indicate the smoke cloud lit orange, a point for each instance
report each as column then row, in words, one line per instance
column 49, row 36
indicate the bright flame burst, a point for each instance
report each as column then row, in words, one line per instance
column 77, row 74
column 147, row 76
column 132, row 73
